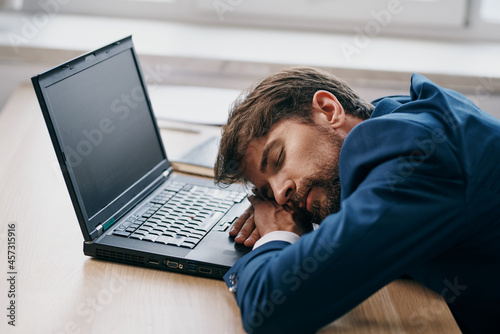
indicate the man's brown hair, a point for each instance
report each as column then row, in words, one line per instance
column 284, row 95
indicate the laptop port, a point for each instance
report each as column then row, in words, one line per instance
column 205, row 270
column 153, row 262
column 172, row 264
column 191, row 268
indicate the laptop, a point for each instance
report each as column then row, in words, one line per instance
column 131, row 206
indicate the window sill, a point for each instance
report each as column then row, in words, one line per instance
column 249, row 52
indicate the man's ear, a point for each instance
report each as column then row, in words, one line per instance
column 327, row 110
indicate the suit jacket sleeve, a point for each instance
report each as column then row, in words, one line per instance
column 401, row 186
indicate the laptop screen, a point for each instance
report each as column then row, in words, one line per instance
column 106, row 129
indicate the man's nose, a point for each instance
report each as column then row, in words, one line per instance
column 283, row 191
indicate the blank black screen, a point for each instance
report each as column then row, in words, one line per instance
column 106, row 128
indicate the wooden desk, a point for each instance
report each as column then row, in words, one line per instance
column 59, row 290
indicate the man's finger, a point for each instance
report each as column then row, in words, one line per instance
column 238, row 223
column 252, row 239
column 245, row 230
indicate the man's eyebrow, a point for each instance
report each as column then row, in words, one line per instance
column 265, row 154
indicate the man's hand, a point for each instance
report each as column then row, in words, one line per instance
column 262, row 217
column 269, row 216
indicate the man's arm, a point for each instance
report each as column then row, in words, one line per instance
column 403, row 212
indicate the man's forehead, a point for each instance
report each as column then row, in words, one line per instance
column 252, row 157
column 277, row 131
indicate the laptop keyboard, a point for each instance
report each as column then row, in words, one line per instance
column 181, row 215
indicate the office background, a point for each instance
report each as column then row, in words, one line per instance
column 374, row 44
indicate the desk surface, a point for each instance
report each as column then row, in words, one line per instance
column 59, row 290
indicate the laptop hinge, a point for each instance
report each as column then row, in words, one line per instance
column 168, row 172
column 99, row 229
column 103, row 227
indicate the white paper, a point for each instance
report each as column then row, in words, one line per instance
column 192, row 104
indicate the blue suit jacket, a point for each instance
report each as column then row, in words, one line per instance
column 420, row 196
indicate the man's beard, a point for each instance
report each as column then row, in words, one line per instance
column 326, row 179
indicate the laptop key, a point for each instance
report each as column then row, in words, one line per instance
column 121, row 233
column 137, row 236
column 198, row 233
column 188, row 229
column 210, row 222
column 146, row 229
column 163, row 239
column 178, row 240
column 178, row 225
column 163, row 225
column 156, row 218
column 150, row 237
column 125, row 224
column 193, row 240
column 187, row 245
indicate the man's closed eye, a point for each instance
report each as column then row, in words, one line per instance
column 281, row 157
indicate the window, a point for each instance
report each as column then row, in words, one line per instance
column 335, row 12
column 490, row 11
column 458, row 19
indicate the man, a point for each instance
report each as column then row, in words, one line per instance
column 406, row 185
